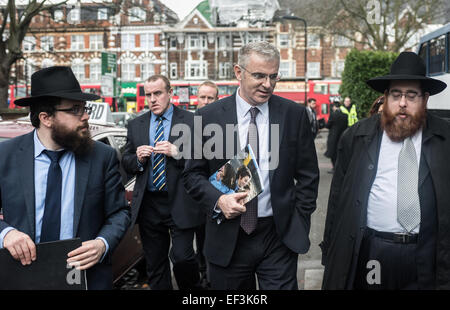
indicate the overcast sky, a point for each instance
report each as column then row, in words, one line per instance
column 181, row 7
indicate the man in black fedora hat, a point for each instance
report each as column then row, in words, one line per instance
column 57, row 183
column 388, row 217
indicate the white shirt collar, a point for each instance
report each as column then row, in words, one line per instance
column 243, row 107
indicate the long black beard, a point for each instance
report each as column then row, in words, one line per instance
column 79, row 144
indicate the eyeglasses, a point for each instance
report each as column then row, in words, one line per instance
column 410, row 96
column 77, row 110
column 274, row 77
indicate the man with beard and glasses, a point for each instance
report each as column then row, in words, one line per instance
column 57, row 183
column 388, row 209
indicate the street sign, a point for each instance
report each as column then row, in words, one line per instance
column 109, row 74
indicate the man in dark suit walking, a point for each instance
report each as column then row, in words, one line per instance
column 160, row 203
column 263, row 236
column 57, row 183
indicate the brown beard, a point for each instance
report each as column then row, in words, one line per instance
column 78, row 142
column 399, row 129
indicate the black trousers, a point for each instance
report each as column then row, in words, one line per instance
column 395, row 262
column 157, row 230
column 260, row 254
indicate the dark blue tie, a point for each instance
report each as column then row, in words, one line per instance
column 51, row 222
column 159, row 171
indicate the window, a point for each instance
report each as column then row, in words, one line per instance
column 338, row 68
column 137, row 15
column 47, row 43
column 437, row 55
column 173, row 43
column 77, row 42
column 283, row 41
column 224, row 70
column 313, row 70
column 313, row 40
column 321, row 89
column 334, row 89
column 196, row 41
column 74, row 15
column 287, row 68
column 223, row 41
column 95, row 70
column 102, row 14
column 173, row 70
column 147, row 70
column 147, row 41
column 29, row 43
column 47, row 63
column 58, row 15
column 196, row 69
column 341, row 41
column 78, row 69
column 96, row 41
column 253, row 37
column 128, row 71
column 128, row 41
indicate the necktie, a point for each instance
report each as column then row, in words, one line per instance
column 159, row 172
column 250, row 218
column 51, row 222
column 408, row 204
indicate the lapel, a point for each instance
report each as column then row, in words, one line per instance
column 25, row 156
column 144, row 129
column 229, row 117
column 275, row 118
column 82, row 167
column 177, row 117
column 371, row 133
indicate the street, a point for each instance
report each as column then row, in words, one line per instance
column 310, row 270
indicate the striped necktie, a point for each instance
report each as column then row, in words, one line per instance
column 159, row 170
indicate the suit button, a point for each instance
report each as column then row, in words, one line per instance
column 370, row 167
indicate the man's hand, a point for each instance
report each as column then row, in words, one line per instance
column 143, row 152
column 166, row 148
column 87, row 255
column 20, row 246
column 231, row 205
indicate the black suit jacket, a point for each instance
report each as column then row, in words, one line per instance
column 293, row 184
column 100, row 207
column 184, row 211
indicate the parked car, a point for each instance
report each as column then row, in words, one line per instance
column 122, row 118
column 129, row 252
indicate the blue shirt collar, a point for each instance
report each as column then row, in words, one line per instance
column 38, row 146
column 167, row 115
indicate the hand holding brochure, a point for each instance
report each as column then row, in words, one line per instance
column 239, row 174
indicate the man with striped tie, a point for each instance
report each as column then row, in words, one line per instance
column 160, row 204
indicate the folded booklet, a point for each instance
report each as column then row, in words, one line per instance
column 239, row 174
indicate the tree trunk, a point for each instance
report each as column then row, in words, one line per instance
column 4, row 74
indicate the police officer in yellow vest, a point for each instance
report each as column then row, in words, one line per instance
column 349, row 109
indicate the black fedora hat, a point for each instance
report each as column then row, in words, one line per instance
column 55, row 81
column 408, row 66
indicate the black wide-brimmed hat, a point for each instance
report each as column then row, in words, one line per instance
column 408, row 66
column 55, row 81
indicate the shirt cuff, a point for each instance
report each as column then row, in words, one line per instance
column 140, row 166
column 3, row 234
column 106, row 245
column 217, row 214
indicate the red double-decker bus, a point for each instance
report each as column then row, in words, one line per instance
column 324, row 91
column 19, row 91
column 185, row 93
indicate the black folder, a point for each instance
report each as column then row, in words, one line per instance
column 48, row 272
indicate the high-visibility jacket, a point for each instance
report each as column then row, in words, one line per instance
column 351, row 115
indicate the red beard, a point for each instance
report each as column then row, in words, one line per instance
column 398, row 129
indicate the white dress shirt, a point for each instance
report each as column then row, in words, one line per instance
column 382, row 204
column 262, row 122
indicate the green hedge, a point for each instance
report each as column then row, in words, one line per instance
column 361, row 66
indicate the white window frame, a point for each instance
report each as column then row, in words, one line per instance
column 102, row 14
column 47, row 43
column 223, row 41
column 147, row 70
column 137, row 14
column 95, row 70
column 196, row 69
column 29, row 43
column 313, row 69
column 128, row 41
column 341, row 41
column 58, row 15
column 197, row 41
column 171, row 40
column 287, row 69
column 96, row 41
column 313, row 40
column 173, row 70
column 284, row 40
column 74, row 15
column 338, row 67
column 253, row 37
column 147, row 41
column 128, row 70
column 78, row 69
column 77, row 42
column 224, row 70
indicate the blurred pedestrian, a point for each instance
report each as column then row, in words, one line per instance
column 377, row 106
column 312, row 116
column 207, row 93
column 349, row 109
column 337, row 123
